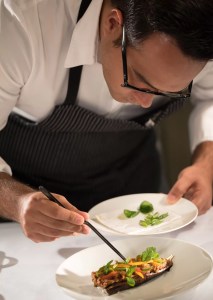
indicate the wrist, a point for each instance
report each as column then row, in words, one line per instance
column 11, row 195
column 203, row 157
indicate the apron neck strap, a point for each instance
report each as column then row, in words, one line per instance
column 75, row 73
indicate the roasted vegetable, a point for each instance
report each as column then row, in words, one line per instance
column 118, row 276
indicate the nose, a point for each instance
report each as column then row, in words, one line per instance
column 145, row 100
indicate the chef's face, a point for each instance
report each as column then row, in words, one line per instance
column 156, row 64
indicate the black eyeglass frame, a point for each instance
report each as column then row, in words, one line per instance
column 185, row 93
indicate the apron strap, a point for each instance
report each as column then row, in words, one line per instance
column 75, row 73
column 73, row 85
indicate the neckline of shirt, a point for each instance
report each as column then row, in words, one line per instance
column 83, row 49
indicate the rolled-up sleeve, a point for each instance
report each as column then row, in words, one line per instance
column 4, row 167
column 201, row 118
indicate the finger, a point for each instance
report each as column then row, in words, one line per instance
column 46, row 233
column 57, row 212
column 190, row 194
column 69, row 206
column 37, row 238
column 62, row 225
column 53, row 216
column 55, row 232
column 203, row 203
column 178, row 190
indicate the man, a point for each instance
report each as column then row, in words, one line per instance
column 90, row 147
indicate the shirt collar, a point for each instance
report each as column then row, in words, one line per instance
column 84, row 42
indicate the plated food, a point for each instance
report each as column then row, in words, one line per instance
column 118, row 276
column 109, row 215
column 192, row 266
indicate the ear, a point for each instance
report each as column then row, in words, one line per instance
column 115, row 19
column 111, row 22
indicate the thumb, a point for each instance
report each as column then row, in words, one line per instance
column 173, row 197
column 177, row 191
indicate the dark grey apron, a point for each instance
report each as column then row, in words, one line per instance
column 81, row 155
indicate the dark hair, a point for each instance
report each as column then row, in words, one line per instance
column 189, row 22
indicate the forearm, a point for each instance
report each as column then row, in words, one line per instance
column 11, row 192
column 203, row 157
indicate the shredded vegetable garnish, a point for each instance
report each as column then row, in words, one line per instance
column 151, row 219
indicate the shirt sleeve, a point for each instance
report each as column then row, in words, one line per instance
column 201, row 118
column 4, row 167
column 15, row 66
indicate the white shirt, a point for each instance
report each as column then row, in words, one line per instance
column 40, row 41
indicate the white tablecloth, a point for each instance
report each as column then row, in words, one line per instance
column 27, row 269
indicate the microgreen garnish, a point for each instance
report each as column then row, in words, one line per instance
column 149, row 253
column 153, row 219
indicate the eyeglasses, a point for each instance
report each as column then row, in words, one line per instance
column 185, row 93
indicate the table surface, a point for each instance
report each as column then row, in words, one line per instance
column 27, row 269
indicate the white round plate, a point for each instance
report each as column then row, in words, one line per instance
column 191, row 266
column 105, row 216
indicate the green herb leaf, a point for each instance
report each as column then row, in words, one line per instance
column 130, row 271
column 130, row 281
column 163, row 216
column 143, row 223
column 108, row 267
column 146, row 207
column 149, row 253
column 130, row 213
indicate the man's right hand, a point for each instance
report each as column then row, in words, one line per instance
column 41, row 219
